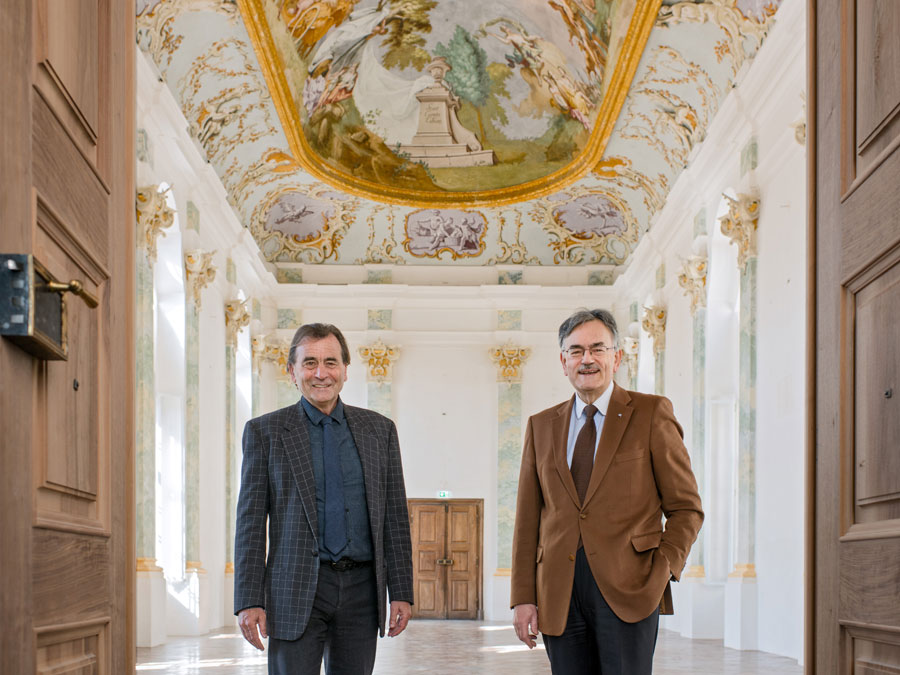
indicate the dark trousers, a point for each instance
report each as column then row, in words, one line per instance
column 343, row 627
column 596, row 641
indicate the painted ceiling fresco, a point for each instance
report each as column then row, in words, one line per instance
column 424, row 132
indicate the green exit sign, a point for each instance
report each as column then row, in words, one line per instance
column 444, row 494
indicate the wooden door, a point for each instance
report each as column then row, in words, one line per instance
column 67, row 197
column 447, row 541
column 854, row 561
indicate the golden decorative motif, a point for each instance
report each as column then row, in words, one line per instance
column 379, row 359
column 386, row 251
column 509, row 359
column 273, row 165
column 268, row 349
column 638, row 32
column 241, row 108
column 618, row 170
column 570, row 247
column 229, row 568
column 722, row 14
column 281, row 247
column 743, row 571
column 236, row 317
column 799, row 126
column 194, row 566
column 694, row 572
column 199, row 272
column 153, row 216
column 740, row 224
column 514, row 253
column 147, row 565
column 654, row 323
column 693, row 280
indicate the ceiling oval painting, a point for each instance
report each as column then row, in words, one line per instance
column 428, row 102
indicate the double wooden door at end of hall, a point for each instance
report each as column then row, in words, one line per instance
column 447, row 545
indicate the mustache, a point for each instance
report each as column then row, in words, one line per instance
column 589, row 369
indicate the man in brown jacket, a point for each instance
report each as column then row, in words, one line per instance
column 591, row 560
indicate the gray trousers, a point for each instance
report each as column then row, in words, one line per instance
column 596, row 641
column 343, row 627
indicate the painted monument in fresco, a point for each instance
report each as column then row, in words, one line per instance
column 419, row 94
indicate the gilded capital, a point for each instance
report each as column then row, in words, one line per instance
column 655, row 324
column 236, row 317
column 379, row 359
column 509, row 359
column 740, row 224
column 693, row 280
column 199, row 272
column 153, row 216
column 268, row 349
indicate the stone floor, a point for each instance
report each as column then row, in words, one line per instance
column 454, row 647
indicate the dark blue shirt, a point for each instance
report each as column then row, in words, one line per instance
column 359, row 533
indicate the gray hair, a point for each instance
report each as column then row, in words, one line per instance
column 582, row 316
column 318, row 331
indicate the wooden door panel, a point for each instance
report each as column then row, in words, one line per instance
column 877, row 78
column 855, row 423
column 876, row 374
column 447, row 531
column 427, row 523
column 463, row 539
column 70, row 186
column 73, row 650
column 67, row 73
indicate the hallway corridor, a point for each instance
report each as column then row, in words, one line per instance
column 454, row 648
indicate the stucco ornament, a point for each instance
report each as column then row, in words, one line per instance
column 153, row 216
column 631, row 348
column 740, row 224
column 199, row 272
column 270, row 349
column 379, row 359
column 236, row 317
column 693, row 280
column 655, row 324
column 509, row 359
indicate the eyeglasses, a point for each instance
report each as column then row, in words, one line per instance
column 597, row 351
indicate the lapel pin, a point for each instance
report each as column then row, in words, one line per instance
column 620, row 414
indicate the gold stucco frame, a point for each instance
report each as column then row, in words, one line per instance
column 626, row 65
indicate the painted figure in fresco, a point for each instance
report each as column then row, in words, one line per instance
column 583, row 34
column 592, row 560
column 322, row 482
column 346, row 62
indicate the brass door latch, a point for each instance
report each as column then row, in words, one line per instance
column 444, row 561
column 33, row 306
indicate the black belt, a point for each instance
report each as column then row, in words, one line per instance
column 345, row 564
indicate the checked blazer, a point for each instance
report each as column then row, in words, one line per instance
column 278, row 487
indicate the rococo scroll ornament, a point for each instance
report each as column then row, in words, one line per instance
column 740, row 224
column 587, row 226
column 693, row 280
column 199, row 272
column 269, row 349
column 379, row 359
column 236, row 317
column 509, row 359
column 153, row 216
column 655, row 324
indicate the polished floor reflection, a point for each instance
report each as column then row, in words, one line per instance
column 454, row 647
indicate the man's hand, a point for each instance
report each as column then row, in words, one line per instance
column 525, row 621
column 253, row 623
column 400, row 613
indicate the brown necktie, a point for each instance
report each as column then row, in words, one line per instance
column 583, row 455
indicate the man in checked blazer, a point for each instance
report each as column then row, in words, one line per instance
column 325, row 478
column 591, row 561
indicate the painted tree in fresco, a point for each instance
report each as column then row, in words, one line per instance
column 404, row 41
column 469, row 78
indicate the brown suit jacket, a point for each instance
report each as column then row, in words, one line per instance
column 641, row 471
